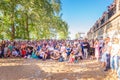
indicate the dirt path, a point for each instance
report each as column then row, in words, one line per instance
column 30, row 69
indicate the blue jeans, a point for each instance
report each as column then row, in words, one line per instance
column 106, row 58
column 85, row 53
column 108, row 61
column 118, row 71
column 114, row 62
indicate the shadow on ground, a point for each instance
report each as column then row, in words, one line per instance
column 46, row 70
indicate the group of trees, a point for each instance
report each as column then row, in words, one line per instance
column 31, row 19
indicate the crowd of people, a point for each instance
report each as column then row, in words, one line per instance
column 107, row 51
column 62, row 50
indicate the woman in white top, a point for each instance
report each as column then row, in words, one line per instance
column 114, row 55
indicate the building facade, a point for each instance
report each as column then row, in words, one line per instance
column 79, row 35
column 109, row 24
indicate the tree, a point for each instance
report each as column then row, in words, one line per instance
column 31, row 19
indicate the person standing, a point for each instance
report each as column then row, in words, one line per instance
column 92, row 50
column 97, row 50
column 101, row 42
column 114, row 60
column 106, row 54
column 81, row 46
column 86, row 48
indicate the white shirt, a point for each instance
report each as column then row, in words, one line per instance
column 107, row 47
column 101, row 43
column 115, row 49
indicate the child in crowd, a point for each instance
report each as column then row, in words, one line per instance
column 72, row 57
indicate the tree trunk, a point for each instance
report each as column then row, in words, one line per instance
column 13, row 31
column 12, row 22
column 27, row 28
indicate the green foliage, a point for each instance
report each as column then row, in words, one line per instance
column 31, row 19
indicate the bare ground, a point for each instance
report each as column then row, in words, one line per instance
column 31, row 69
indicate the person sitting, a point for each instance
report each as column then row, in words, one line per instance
column 78, row 56
column 29, row 53
column 55, row 55
column 42, row 54
column 61, row 59
column 14, row 53
column 34, row 55
column 64, row 55
column 23, row 52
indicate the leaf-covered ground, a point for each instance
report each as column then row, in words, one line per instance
column 30, row 69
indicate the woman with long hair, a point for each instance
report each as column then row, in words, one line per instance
column 97, row 51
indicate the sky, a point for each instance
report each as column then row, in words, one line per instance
column 82, row 14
